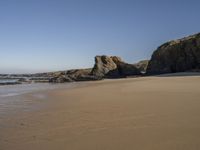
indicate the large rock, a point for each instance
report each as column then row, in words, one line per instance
column 176, row 56
column 125, row 69
column 104, row 66
column 113, row 67
column 142, row 66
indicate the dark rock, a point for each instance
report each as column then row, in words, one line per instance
column 176, row 56
column 142, row 65
column 125, row 69
column 73, row 75
column 82, row 75
column 60, row 79
column 76, row 73
column 87, row 78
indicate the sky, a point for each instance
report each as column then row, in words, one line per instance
column 50, row 35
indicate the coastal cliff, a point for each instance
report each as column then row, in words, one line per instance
column 176, row 56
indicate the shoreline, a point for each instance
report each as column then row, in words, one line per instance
column 161, row 112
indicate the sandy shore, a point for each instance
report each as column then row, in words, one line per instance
column 150, row 113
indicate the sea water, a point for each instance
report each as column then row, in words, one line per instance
column 3, row 81
column 12, row 97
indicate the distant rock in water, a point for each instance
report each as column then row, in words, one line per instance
column 176, row 56
column 113, row 67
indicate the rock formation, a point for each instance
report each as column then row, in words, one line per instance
column 104, row 66
column 142, row 66
column 81, row 75
column 176, row 56
column 113, row 67
column 60, row 79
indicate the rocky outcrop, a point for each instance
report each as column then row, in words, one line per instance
column 113, row 67
column 73, row 75
column 60, row 79
column 142, row 66
column 176, row 56
column 81, row 75
column 104, row 66
column 125, row 69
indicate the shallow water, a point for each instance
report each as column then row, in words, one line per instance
column 12, row 98
column 8, row 80
column 13, row 90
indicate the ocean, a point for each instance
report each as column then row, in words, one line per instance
column 4, row 81
column 12, row 97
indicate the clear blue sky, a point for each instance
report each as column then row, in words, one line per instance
column 46, row 35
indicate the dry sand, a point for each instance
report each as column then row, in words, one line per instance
column 150, row 113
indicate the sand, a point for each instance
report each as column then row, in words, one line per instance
column 149, row 113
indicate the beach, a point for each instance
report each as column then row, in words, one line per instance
column 146, row 113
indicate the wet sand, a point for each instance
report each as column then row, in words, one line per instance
column 150, row 113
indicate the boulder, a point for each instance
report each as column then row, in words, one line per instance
column 125, row 69
column 113, row 67
column 176, row 56
column 104, row 66
column 142, row 66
